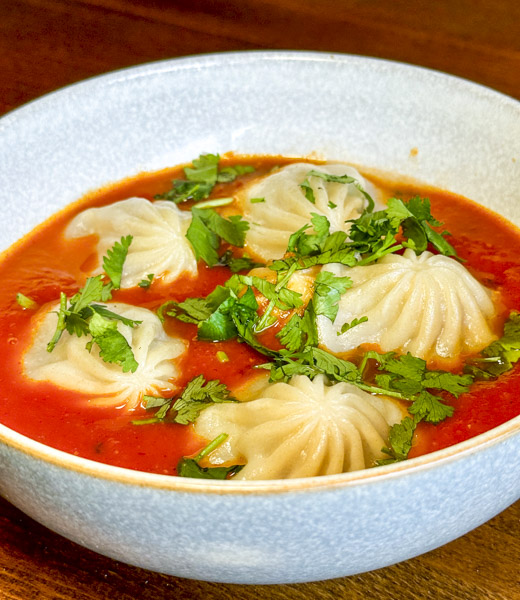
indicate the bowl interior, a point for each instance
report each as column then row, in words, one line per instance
column 380, row 115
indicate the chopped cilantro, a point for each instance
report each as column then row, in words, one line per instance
column 346, row 326
column 82, row 316
column 240, row 263
column 146, row 282
column 189, row 467
column 25, row 302
column 197, row 396
column 201, row 178
column 500, row 355
column 185, row 408
column 113, row 346
column 208, row 228
column 114, row 260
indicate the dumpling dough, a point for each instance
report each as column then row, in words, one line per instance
column 429, row 305
column 159, row 245
column 286, row 208
column 72, row 367
column 302, row 428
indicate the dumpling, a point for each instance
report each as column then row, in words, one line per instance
column 285, row 208
column 302, row 428
column 159, row 245
column 72, row 367
column 429, row 305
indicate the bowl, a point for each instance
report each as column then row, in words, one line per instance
column 387, row 116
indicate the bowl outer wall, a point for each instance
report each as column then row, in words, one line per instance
column 364, row 111
column 263, row 537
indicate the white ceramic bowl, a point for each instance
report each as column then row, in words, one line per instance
column 364, row 111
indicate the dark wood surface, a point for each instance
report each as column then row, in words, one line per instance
column 45, row 44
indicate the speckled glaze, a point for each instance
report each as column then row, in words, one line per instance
column 365, row 111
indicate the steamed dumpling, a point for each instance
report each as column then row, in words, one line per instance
column 429, row 305
column 159, row 245
column 72, row 367
column 302, row 428
column 285, row 207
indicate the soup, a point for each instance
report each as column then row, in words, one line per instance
column 256, row 318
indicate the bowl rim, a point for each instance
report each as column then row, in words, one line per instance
column 90, row 468
column 82, row 466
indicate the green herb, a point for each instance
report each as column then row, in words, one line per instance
column 189, row 467
column 222, row 357
column 114, row 260
column 26, row 302
column 257, row 200
column 500, row 355
column 113, row 347
column 347, row 326
column 208, row 228
column 344, row 179
column 201, row 178
column 146, row 282
column 216, row 202
column 240, row 263
column 197, row 396
column 327, row 293
column 83, row 316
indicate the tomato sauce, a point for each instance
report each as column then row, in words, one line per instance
column 45, row 263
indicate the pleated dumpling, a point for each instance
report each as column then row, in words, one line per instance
column 276, row 206
column 302, row 428
column 71, row 366
column 159, row 245
column 429, row 305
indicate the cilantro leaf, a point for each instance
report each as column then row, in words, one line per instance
column 198, row 395
column 429, row 407
column 189, row 467
column 347, row 326
column 206, row 230
column 344, row 179
column 146, row 282
column 400, row 441
column 300, row 331
column 113, row 347
column 114, row 260
column 328, row 289
column 201, row 178
column 228, row 174
column 204, row 169
column 240, row 263
column 500, row 355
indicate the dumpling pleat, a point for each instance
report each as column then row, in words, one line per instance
column 301, row 429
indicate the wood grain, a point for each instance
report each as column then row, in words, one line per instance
column 46, row 44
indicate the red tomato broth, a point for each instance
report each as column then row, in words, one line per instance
column 44, row 263
column 490, row 247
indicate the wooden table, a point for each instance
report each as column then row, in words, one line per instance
column 45, row 44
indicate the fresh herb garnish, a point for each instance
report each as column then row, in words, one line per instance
column 189, row 467
column 208, row 228
column 146, row 282
column 347, row 326
column 344, row 179
column 500, row 355
column 114, row 260
column 81, row 315
column 238, row 263
column 185, row 408
column 25, row 301
column 201, row 178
